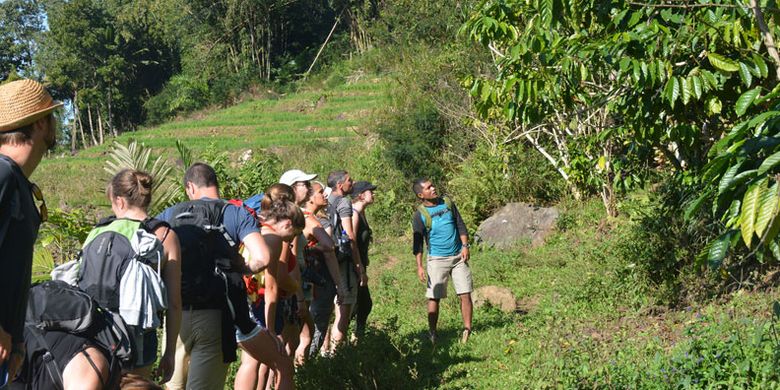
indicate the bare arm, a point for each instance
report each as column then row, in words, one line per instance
column 258, row 252
column 172, row 278
column 285, row 280
column 274, row 246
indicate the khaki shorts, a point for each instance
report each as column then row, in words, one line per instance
column 439, row 270
column 347, row 271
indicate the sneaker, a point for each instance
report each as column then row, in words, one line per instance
column 432, row 337
column 465, row 336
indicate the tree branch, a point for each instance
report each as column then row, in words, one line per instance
column 769, row 41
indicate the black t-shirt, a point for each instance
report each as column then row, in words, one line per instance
column 19, row 223
column 363, row 238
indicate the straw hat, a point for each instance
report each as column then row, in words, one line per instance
column 23, row 102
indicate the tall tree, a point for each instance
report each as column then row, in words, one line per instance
column 20, row 23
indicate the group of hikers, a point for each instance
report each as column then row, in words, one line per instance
column 266, row 274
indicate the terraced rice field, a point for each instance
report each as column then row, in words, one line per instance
column 314, row 116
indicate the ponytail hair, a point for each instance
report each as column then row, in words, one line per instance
column 276, row 192
column 279, row 210
column 135, row 186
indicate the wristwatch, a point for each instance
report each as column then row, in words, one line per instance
column 466, row 245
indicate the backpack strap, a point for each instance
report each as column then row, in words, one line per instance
column 52, row 368
column 426, row 216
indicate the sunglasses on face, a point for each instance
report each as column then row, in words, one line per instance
column 38, row 194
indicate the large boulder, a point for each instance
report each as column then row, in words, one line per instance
column 516, row 223
column 498, row 297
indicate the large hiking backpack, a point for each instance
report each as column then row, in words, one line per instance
column 108, row 251
column 57, row 306
column 341, row 242
column 121, row 253
column 206, row 250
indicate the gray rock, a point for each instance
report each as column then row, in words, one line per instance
column 516, row 223
column 499, row 297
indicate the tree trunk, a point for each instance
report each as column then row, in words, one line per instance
column 110, row 117
column 74, row 132
column 100, row 126
column 91, row 126
column 81, row 125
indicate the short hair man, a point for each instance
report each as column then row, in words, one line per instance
column 204, row 347
column 438, row 223
column 26, row 133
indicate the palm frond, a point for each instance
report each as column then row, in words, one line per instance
column 165, row 190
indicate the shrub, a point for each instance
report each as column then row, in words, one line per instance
column 488, row 179
column 663, row 244
column 183, row 93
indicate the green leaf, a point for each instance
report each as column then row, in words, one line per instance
column 697, row 91
column 750, row 204
column 746, row 100
column 687, row 90
column 714, row 106
column 709, row 77
column 767, row 209
column 672, row 90
column 722, row 63
column 637, row 72
column 769, row 163
column 728, row 177
column 744, row 73
column 760, row 64
column 695, row 205
column 775, row 248
column 719, row 248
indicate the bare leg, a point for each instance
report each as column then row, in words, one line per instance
column 263, row 376
column 466, row 311
column 433, row 316
column 326, row 342
column 341, row 325
column 302, row 352
column 246, row 376
column 264, row 348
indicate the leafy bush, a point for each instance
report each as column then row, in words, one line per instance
column 390, row 214
column 244, row 178
column 183, row 93
column 664, row 245
column 414, row 136
column 488, row 179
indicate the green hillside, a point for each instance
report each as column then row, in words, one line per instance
column 320, row 117
column 587, row 315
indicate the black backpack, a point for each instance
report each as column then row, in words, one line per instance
column 341, row 241
column 206, row 251
column 106, row 253
column 57, row 306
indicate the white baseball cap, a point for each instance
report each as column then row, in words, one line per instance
column 296, row 175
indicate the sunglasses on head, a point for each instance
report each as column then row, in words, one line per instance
column 38, row 194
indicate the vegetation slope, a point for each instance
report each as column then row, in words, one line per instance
column 588, row 315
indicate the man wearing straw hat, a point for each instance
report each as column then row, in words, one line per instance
column 26, row 133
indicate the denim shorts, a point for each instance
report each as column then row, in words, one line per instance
column 258, row 312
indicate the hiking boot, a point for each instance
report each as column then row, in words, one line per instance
column 464, row 337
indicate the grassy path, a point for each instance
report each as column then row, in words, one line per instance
column 585, row 322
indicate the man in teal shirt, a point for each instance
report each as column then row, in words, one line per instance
column 438, row 223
